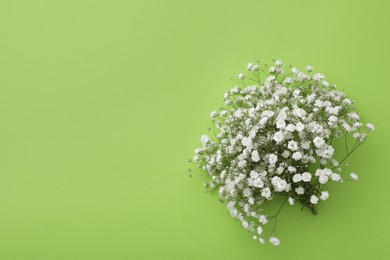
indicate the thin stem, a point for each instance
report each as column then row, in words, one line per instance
column 353, row 149
column 280, row 208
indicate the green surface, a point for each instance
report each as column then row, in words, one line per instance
column 103, row 102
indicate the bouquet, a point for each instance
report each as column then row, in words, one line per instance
column 274, row 139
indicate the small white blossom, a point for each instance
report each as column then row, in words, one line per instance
column 306, row 176
column 287, row 81
column 293, row 146
column 370, row 127
column 324, row 195
column 336, row 177
column 274, row 241
column 354, row 176
column 300, row 190
column 205, row 139
column 255, row 68
column 255, row 156
column 313, row 199
column 323, row 179
column 263, row 219
column 290, row 128
column 266, row 193
column 278, row 63
column 299, row 127
column 297, row 156
column 295, row 71
column 278, row 137
column 318, row 76
column 259, row 230
column 318, row 142
column 325, row 83
column 297, row 178
column 272, row 159
column 213, row 114
column 292, row 169
column 240, row 76
column 247, row 192
column 299, row 112
column 285, row 154
column 279, row 184
column 309, row 68
column 245, row 224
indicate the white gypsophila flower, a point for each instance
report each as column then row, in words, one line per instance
column 300, row 190
column 278, row 137
column 240, row 76
column 213, row 114
column 245, row 141
column 290, row 127
column 270, row 135
column 263, row 219
column 286, row 154
column 313, row 199
column 266, row 193
column 196, row 158
column 279, row 184
column 297, row 177
column 242, row 163
column 205, row 139
column 309, row 68
column 354, row 176
column 324, row 195
column 297, row 156
column 247, row 192
column 280, row 170
column 294, row 70
column 318, row 76
column 274, row 241
column 291, row 169
column 306, row 176
column 245, row 224
column 323, row 179
column 318, row 142
column 299, row 127
column 278, row 63
column 334, row 162
column 259, row 230
column 293, row 146
column 287, row 81
column 255, row 68
column 335, row 177
column 299, row 112
column 255, row 156
column 272, row 159
column 325, row 83
column 370, row 127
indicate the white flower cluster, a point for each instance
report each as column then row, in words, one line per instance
column 275, row 140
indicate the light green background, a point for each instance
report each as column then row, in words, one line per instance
column 103, row 102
